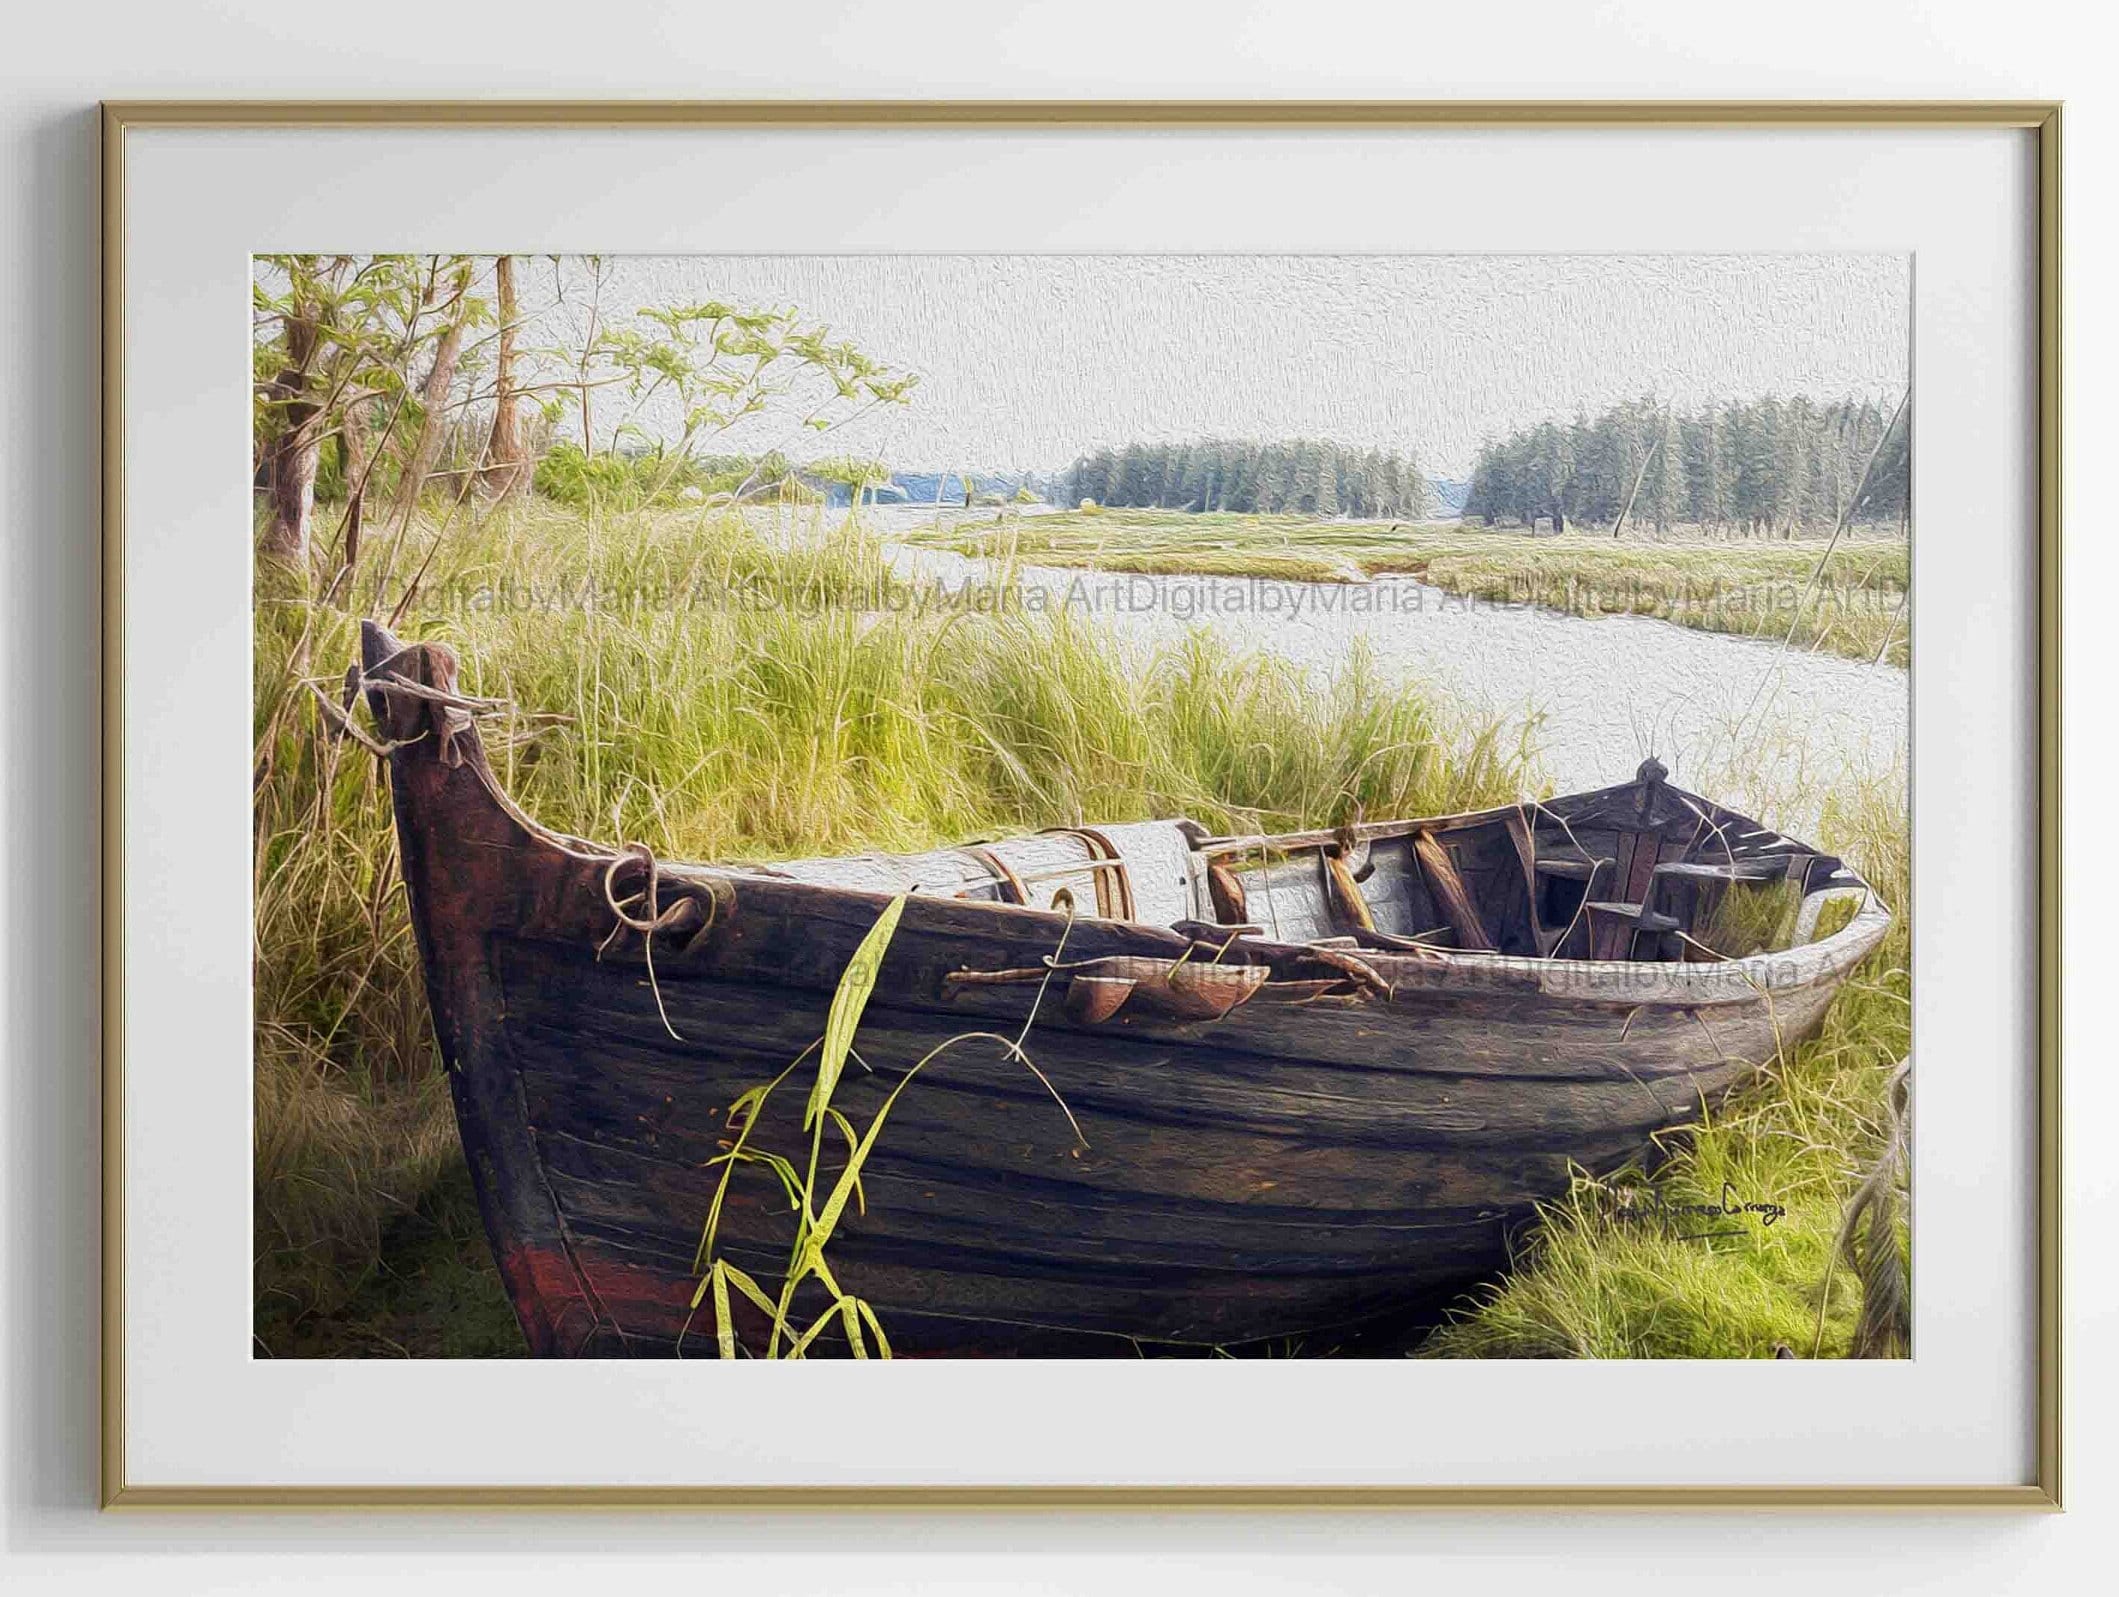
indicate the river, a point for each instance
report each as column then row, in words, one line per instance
column 1763, row 729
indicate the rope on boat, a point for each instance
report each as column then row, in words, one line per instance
column 676, row 917
column 342, row 725
column 455, row 715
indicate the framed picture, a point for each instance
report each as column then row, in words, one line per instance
column 1272, row 804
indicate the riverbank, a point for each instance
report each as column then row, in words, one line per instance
column 1851, row 606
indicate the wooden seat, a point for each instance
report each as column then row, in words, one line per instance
column 1615, row 928
column 1740, row 871
column 1648, row 919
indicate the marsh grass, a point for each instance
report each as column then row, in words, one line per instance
column 1746, row 920
column 718, row 686
column 1748, row 588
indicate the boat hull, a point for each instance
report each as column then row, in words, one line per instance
column 1203, row 1192
column 1286, row 1173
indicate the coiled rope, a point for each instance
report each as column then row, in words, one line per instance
column 677, row 916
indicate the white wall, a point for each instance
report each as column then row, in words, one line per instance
column 56, row 60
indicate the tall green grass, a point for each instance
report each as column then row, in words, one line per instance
column 719, row 686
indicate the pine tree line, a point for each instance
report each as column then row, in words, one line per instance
column 1766, row 467
column 1305, row 476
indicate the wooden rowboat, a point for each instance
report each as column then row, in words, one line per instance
column 1310, row 1080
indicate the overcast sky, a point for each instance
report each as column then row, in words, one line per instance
column 1029, row 361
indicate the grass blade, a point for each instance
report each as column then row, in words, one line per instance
column 724, row 1323
column 855, row 984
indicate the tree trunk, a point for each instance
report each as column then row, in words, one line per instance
column 358, row 452
column 291, row 459
column 1619, row 527
column 507, row 463
column 434, row 404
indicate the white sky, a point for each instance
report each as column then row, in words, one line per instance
column 1029, row 361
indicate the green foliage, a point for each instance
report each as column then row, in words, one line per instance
column 854, row 472
column 341, row 347
column 626, row 480
column 1765, row 465
column 1303, row 475
column 1748, row 920
column 784, row 719
column 341, row 331
column 718, row 365
column 430, row 1290
column 816, row 1221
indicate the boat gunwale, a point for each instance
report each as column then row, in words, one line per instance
column 1606, row 981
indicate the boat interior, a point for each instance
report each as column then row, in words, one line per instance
column 1641, row 872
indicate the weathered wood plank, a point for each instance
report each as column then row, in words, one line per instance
column 1151, row 1082
column 1448, row 888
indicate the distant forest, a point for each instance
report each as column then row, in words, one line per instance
column 1765, row 467
column 1305, row 476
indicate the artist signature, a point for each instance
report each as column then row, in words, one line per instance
column 1649, row 1206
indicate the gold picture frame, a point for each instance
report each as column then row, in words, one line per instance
column 2042, row 118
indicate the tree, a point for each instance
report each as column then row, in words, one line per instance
column 1131, row 486
column 718, row 365
column 1196, row 483
column 1308, row 475
column 1888, row 496
column 1764, row 464
column 1324, row 498
column 1703, row 462
column 507, row 471
column 1247, row 479
column 1556, row 463
column 1415, row 499
column 1648, row 457
column 433, row 412
column 1272, row 493
column 1791, row 465
column 1390, row 488
column 333, row 337
column 291, row 456
column 1666, row 475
